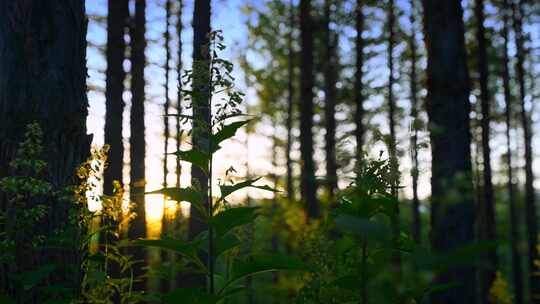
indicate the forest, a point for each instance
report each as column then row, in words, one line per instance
column 269, row 151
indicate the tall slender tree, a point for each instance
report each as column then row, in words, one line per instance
column 179, row 96
column 290, row 101
column 487, row 218
column 137, row 143
column 308, row 183
column 358, row 79
column 392, row 144
column 41, row 83
column 330, row 78
column 117, row 18
column 517, row 272
column 530, row 201
column 165, row 220
column 117, row 21
column 448, row 110
column 416, row 225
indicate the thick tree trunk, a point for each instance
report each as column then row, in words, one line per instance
column 517, row 272
column 416, row 225
column 452, row 217
column 487, row 210
column 137, row 143
column 530, row 200
column 308, row 183
column 43, row 80
column 330, row 78
column 201, row 110
column 179, row 96
column 358, row 80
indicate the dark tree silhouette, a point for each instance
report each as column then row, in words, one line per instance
column 330, row 78
column 487, row 216
column 517, row 271
column 416, row 225
column 43, row 80
column 448, row 110
column 358, row 80
column 530, row 201
column 137, row 143
column 308, row 183
column 290, row 102
column 117, row 19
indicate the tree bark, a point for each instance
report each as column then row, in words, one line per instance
column 416, row 226
column 487, row 209
column 308, row 182
column 392, row 145
column 117, row 19
column 43, row 80
column 137, row 143
column 530, row 200
column 290, row 103
column 358, row 80
column 517, row 272
column 330, row 78
column 452, row 217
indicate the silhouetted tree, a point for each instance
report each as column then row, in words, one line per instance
column 137, row 143
column 308, row 183
column 43, row 80
column 448, row 109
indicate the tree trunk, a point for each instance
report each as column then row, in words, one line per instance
column 43, row 80
column 201, row 111
column 114, row 106
column 517, row 272
column 392, row 145
column 179, row 28
column 165, row 220
column 308, row 182
column 487, row 209
column 448, row 109
column 530, row 208
column 358, row 80
column 416, row 226
column 137, row 143
column 290, row 103
column 117, row 19
column 330, row 78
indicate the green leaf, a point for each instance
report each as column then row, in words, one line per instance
column 256, row 264
column 227, row 131
column 196, row 157
column 190, row 296
column 351, row 282
column 228, row 219
column 184, row 194
column 227, row 190
column 226, row 243
column 363, row 227
column 189, row 250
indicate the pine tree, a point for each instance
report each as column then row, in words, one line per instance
column 517, row 271
column 330, row 78
column 487, row 229
column 41, row 84
column 448, row 111
column 137, row 143
column 358, row 79
column 308, row 183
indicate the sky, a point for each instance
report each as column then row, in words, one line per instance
column 227, row 15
